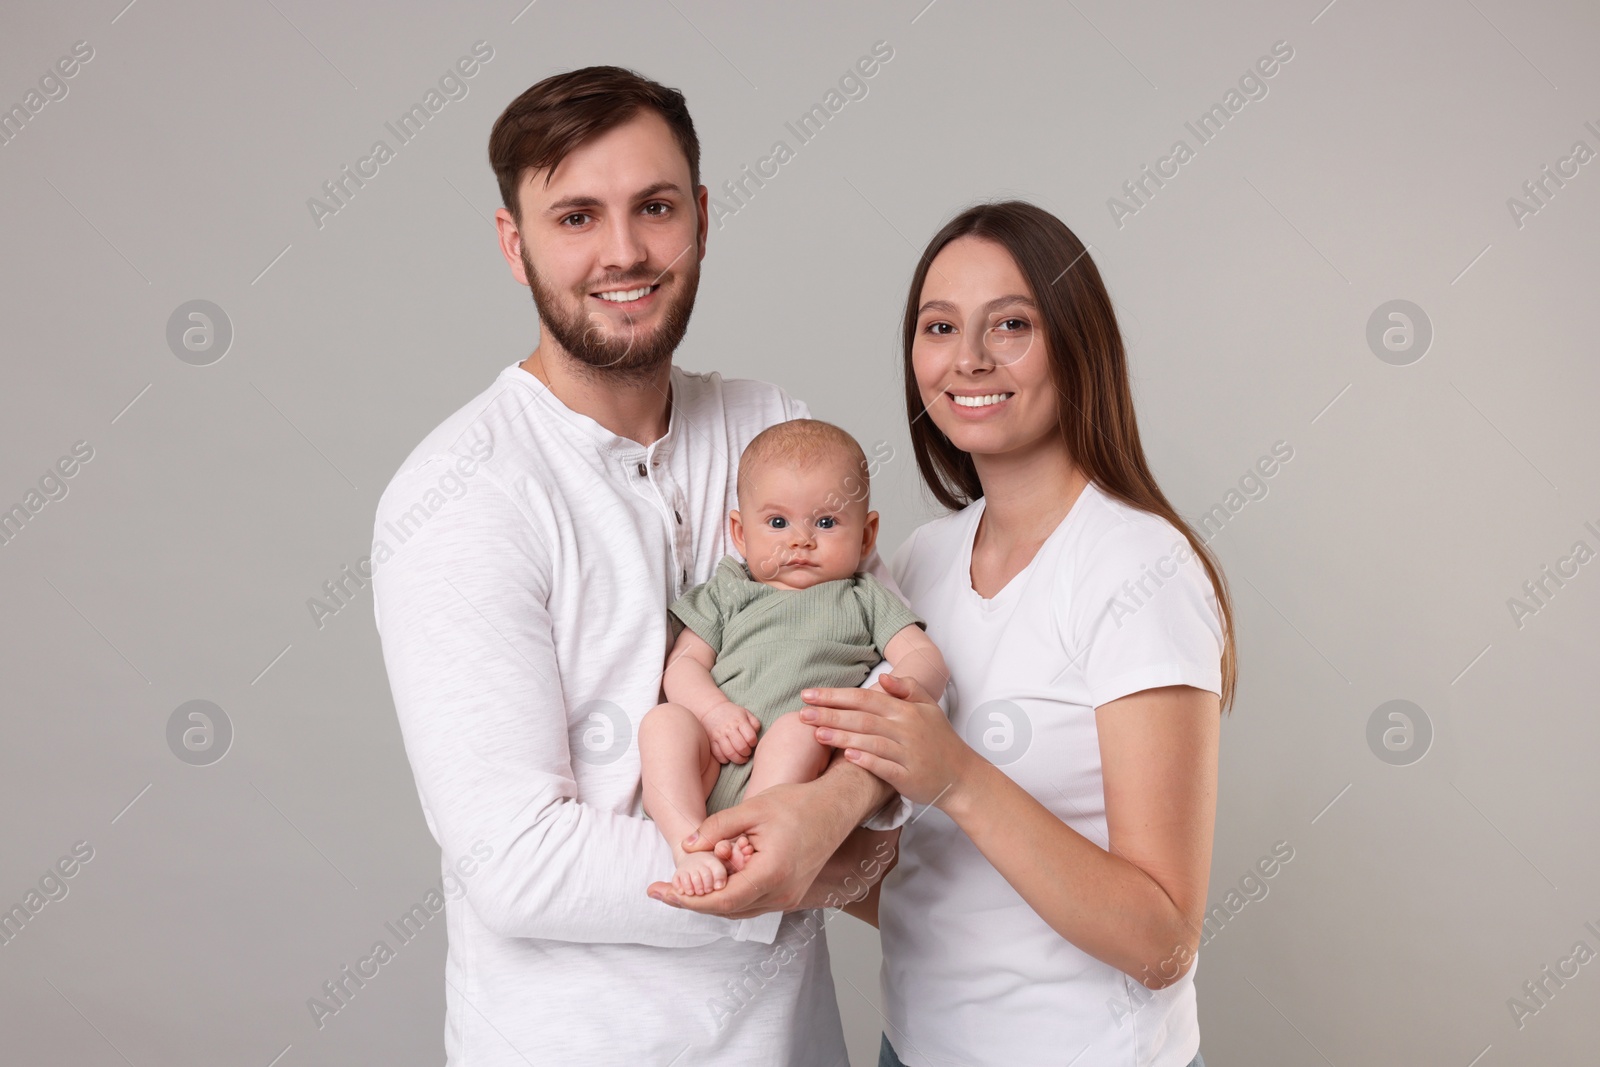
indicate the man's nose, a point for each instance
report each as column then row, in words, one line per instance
column 623, row 249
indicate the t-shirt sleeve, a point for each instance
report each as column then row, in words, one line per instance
column 794, row 408
column 704, row 608
column 886, row 613
column 1141, row 613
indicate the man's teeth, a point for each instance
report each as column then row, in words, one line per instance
column 623, row 296
column 979, row 401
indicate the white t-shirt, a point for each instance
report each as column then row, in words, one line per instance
column 971, row 974
column 524, row 558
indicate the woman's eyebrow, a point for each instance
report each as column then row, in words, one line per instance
column 997, row 302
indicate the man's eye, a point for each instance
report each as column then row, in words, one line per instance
column 777, row 522
column 657, row 203
column 574, row 215
column 827, row 522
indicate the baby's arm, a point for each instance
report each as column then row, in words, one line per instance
column 915, row 656
column 687, row 681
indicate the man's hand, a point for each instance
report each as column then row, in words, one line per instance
column 732, row 731
column 795, row 830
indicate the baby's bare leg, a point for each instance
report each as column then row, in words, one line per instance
column 788, row 753
column 678, row 770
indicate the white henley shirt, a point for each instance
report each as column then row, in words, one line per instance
column 523, row 560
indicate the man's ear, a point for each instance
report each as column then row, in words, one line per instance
column 702, row 200
column 869, row 534
column 511, row 244
column 736, row 530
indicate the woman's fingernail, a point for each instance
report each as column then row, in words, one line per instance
column 824, row 735
column 808, row 694
column 808, row 714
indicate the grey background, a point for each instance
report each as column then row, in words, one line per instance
column 1378, row 566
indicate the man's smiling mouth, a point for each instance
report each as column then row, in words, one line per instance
column 625, row 296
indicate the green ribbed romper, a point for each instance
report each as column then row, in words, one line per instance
column 772, row 643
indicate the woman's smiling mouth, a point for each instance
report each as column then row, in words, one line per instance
column 978, row 403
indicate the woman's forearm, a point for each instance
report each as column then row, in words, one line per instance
column 1102, row 903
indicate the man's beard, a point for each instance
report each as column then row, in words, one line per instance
column 605, row 350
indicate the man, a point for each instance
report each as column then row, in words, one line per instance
column 544, row 527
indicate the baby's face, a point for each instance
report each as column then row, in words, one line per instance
column 800, row 527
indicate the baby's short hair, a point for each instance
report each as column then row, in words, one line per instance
column 806, row 442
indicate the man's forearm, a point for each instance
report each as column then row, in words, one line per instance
column 855, row 793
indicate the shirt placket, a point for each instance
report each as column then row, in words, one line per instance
column 674, row 509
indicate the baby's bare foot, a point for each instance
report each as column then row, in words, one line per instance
column 699, row 873
column 742, row 851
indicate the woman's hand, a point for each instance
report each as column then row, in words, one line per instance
column 899, row 734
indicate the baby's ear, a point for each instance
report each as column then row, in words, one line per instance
column 736, row 530
column 869, row 533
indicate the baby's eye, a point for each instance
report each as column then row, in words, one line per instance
column 777, row 522
column 827, row 522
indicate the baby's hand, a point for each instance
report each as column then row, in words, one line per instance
column 732, row 731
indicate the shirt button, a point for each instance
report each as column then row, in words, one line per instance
column 642, row 471
column 678, row 516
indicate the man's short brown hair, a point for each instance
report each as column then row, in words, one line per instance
column 539, row 128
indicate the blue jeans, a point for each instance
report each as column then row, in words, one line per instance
column 887, row 1058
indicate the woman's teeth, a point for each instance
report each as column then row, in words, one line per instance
column 623, row 296
column 979, row 401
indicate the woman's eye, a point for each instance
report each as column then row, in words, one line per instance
column 938, row 328
column 827, row 522
column 1013, row 325
column 777, row 522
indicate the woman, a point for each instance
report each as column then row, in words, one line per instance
column 1046, row 906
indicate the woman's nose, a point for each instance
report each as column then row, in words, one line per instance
column 973, row 355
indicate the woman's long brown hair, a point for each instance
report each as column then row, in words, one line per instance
column 1088, row 365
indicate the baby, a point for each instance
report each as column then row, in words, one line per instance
column 795, row 615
